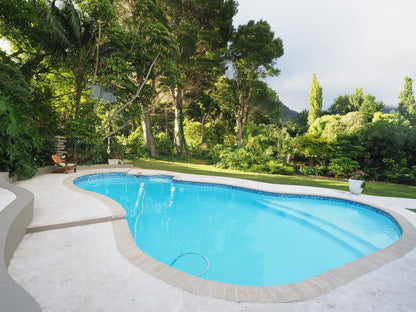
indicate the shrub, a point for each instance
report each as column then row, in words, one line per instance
column 316, row 171
column 278, row 168
column 164, row 146
column 135, row 145
column 342, row 166
column 20, row 142
column 315, row 149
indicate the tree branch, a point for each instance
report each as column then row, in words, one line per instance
column 115, row 131
column 135, row 96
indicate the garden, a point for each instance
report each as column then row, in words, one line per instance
column 161, row 80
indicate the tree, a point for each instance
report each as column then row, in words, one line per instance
column 56, row 39
column 356, row 99
column 74, row 39
column 23, row 24
column 302, row 121
column 138, row 66
column 315, row 100
column 264, row 105
column 407, row 102
column 384, row 140
column 333, row 126
column 19, row 141
column 202, row 30
column 314, row 148
column 370, row 106
column 253, row 53
column 341, row 105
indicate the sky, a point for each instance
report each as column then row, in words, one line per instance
column 347, row 43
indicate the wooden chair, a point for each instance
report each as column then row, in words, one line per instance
column 63, row 165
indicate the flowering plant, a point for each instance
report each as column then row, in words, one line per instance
column 358, row 175
column 115, row 156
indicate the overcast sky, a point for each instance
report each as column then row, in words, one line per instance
column 347, row 43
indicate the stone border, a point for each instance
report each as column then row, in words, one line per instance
column 14, row 218
column 307, row 289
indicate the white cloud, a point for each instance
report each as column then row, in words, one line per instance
column 348, row 44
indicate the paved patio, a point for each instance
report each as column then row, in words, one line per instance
column 67, row 267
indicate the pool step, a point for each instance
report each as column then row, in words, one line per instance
column 336, row 232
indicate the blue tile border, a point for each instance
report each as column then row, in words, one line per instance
column 123, row 175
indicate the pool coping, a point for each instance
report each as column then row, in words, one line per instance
column 307, row 289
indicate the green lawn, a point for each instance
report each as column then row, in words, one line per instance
column 201, row 167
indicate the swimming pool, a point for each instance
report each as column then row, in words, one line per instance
column 241, row 236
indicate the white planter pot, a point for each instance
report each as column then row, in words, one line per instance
column 113, row 161
column 356, row 186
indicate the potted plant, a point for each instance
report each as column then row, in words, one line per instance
column 113, row 160
column 356, row 182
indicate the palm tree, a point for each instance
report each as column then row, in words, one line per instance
column 73, row 40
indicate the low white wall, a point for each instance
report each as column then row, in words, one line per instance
column 14, row 219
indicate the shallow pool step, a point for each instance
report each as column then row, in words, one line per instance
column 336, row 232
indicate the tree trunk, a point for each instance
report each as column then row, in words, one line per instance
column 204, row 118
column 239, row 125
column 179, row 135
column 230, row 143
column 148, row 137
column 166, row 122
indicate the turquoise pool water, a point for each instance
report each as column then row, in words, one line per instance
column 244, row 237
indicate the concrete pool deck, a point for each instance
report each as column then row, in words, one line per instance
column 67, row 266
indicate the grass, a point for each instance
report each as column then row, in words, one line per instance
column 203, row 168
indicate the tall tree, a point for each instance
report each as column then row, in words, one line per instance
column 264, row 105
column 23, row 23
column 341, row 105
column 315, row 100
column 407, row 102
column 370, row 106
column 61, row 34
column 253, row 53
column 202, row 29
column 356, row 99
column 142, row 48
column 74, row 39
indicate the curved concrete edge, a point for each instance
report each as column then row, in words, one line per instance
column 14, row 219
column 303, row 290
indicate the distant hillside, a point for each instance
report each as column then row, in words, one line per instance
column 387, row 109
column 289, row 114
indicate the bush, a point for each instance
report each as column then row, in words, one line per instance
column 343, row 166
column 241, row 159
column 398, row 172
column 316, row 171
column 164, row 146
column 278, row 168
column 20, row 142
column 83, row 141
column 315, row 149
column 135, row 145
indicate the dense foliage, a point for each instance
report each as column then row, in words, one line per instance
column 175, row 79
column 20, row 141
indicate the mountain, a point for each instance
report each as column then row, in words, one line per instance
column 289, row 114
column 387, row 109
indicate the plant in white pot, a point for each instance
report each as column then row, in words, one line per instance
column 356, row 182
column 113, row 160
